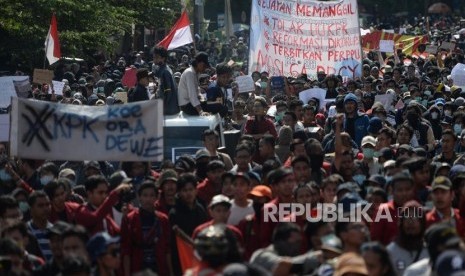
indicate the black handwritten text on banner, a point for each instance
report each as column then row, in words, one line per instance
column 44, row 130
column 291, row 37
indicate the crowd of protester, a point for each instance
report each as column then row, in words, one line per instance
column 406, row 159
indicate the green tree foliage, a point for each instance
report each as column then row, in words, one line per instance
column 85, row 26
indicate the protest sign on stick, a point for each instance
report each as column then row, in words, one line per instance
column 42, row 76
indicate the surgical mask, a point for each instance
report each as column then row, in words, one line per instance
column 457, row 129
column 447, row 112
column 368, row 153
column 4, row 175
column 359, row 178
column 418, row 99
column 427, row 93
column 434, row 115
column 23, row 206
column 263, row 84
column 279, row 116
column 44, row 180
column 388, row 178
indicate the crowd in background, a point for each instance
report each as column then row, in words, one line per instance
column 406, row 158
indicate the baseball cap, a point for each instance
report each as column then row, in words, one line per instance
column 450, row 262
column 350, row 263
column 98, row 244
column 167, row 175
column 261, row 191
column 66, row 172
column 441, row 234
column 91, row 164
column 369, row 140
column 220, row 199
column 331, row 243
column 456, row 172
column 376, row 179
column 201, row 153
column 185, row 163
column 441, row 182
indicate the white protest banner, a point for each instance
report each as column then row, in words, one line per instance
column 318, row 93
column 44, row 130
column 386, row 100
column 22, row 87
column 4, row 127
column 42, row 76
column 7, row 89
column 245, row 84
column 288, row 38
column 458, row 75
column 58, row 86
column 386, row 46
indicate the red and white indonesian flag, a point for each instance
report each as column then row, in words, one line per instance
column 179, row 35
column 52, row 43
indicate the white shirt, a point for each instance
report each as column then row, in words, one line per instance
column 238, row 213
column 188, row 89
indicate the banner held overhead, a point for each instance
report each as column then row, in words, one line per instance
column 44, row 130
column 304, row 37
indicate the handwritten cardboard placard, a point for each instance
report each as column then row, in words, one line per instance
column 449, row 46
column 42, row 76
column 122, row 96
column 386, row 46
column 58, row 86
column 245, row 84
column 431, row 49
column 130, row 132
column 8, row 90
column 318, row 93
column 386, row 100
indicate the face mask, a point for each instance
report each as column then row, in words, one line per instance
column 263, row 84
column 424, row 102
column 388, row 179
column 447, row 112
column 428, row 93
column 457, row 129
column 368, row 153
column 434, row 115
column 418, row 99
column 279, row 116
column 44, row 180
column 359, row 178
column 23, row 206
column 4, row 176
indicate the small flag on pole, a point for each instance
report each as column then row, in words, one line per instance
column 185, row 247
column 179, row 35
column 52, row 42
